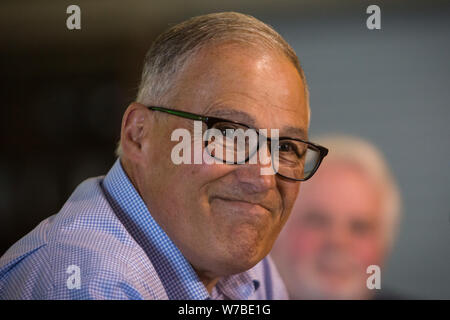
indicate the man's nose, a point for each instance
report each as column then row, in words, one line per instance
column 337, row 236
column 253, row 179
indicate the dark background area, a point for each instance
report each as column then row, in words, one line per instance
column 63, row 94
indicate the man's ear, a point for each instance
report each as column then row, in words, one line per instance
column 135, row 124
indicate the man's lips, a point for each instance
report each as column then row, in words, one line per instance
column 244, row 204
column 339, row 269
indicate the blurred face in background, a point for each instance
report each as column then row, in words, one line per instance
column 334, row 234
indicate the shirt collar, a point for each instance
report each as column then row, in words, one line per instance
column 239, row 286
column 176, row 273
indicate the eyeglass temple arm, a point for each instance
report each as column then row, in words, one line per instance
column 180, row 113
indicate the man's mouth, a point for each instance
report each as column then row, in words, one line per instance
column 241, row 205
column 338, row 269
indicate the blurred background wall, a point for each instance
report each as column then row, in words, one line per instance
column 63, row 94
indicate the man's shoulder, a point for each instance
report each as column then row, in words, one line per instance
column 84, row 238
column 86, row 226
column 87, row 216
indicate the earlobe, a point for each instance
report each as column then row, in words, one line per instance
column 133, row 130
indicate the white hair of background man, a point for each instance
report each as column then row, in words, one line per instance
column 171, row 50
column 366, row 157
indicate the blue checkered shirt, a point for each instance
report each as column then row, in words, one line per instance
column 104, row 244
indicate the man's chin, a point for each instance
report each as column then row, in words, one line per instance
column 240, row 259
column 242, row 244
column 236, row 267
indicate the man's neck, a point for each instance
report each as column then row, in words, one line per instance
column 208, row 282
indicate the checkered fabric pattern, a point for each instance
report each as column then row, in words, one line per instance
column 106, row 230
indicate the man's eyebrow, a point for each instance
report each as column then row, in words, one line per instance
column 294, row 132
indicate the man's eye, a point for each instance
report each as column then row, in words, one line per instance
column 316, row 219
column 287, row 147
column 361, row 228
column 224, row 127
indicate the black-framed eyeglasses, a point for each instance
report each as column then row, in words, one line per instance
column 298, row 160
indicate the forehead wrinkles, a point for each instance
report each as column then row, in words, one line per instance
column 230, row 74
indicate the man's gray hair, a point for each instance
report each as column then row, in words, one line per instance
column 171, row 50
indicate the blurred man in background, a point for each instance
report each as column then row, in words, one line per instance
column 343, row 221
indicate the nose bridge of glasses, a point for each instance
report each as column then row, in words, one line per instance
column 268, row 152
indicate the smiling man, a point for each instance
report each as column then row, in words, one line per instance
column 154, row 229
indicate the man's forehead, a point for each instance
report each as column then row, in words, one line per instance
column 340, row 184
column 238, row 63
column 231, row 82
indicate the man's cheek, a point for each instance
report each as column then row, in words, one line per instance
column 368, row 251
column 210, row 172
column 289, row 193
column 305, row 242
